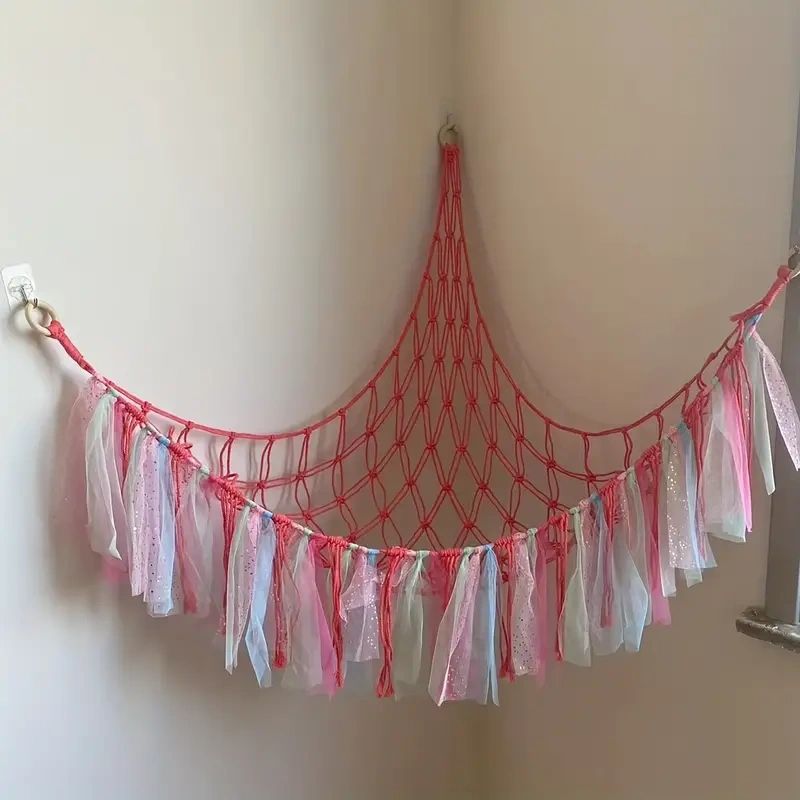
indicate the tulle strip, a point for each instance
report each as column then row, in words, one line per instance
column 413, row 621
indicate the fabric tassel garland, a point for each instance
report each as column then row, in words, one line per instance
column 311, row 609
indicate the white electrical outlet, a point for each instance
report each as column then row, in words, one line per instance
column 18, row 282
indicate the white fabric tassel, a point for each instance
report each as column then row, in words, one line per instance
column 763, row 446
column 576, row 618
column 235, row 579
column 107, row 522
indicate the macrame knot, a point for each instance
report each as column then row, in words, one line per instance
column 783, row 278
column 181, row 449
column 60, row 335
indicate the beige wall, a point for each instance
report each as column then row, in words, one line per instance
column 630, row 166
column 227, row 202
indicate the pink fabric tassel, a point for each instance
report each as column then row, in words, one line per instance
column 312, row 662
column 526, row 647
column 781, row 398
column 194, row 541
column 360, row 609
column 142, row 493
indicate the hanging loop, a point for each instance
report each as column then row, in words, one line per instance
column 32, row 307
column 448, row 131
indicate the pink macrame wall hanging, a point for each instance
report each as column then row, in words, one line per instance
column 438, row 531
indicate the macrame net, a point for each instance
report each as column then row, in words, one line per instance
column 441, row 448
column 344, row 552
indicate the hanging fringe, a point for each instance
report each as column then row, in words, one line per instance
column 309, row 605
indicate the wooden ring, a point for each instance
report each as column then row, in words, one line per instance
column 31, row 306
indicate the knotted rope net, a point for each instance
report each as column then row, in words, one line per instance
column 441, row 448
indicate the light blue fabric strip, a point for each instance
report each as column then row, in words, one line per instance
column 163, row 603
column 262, row 585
